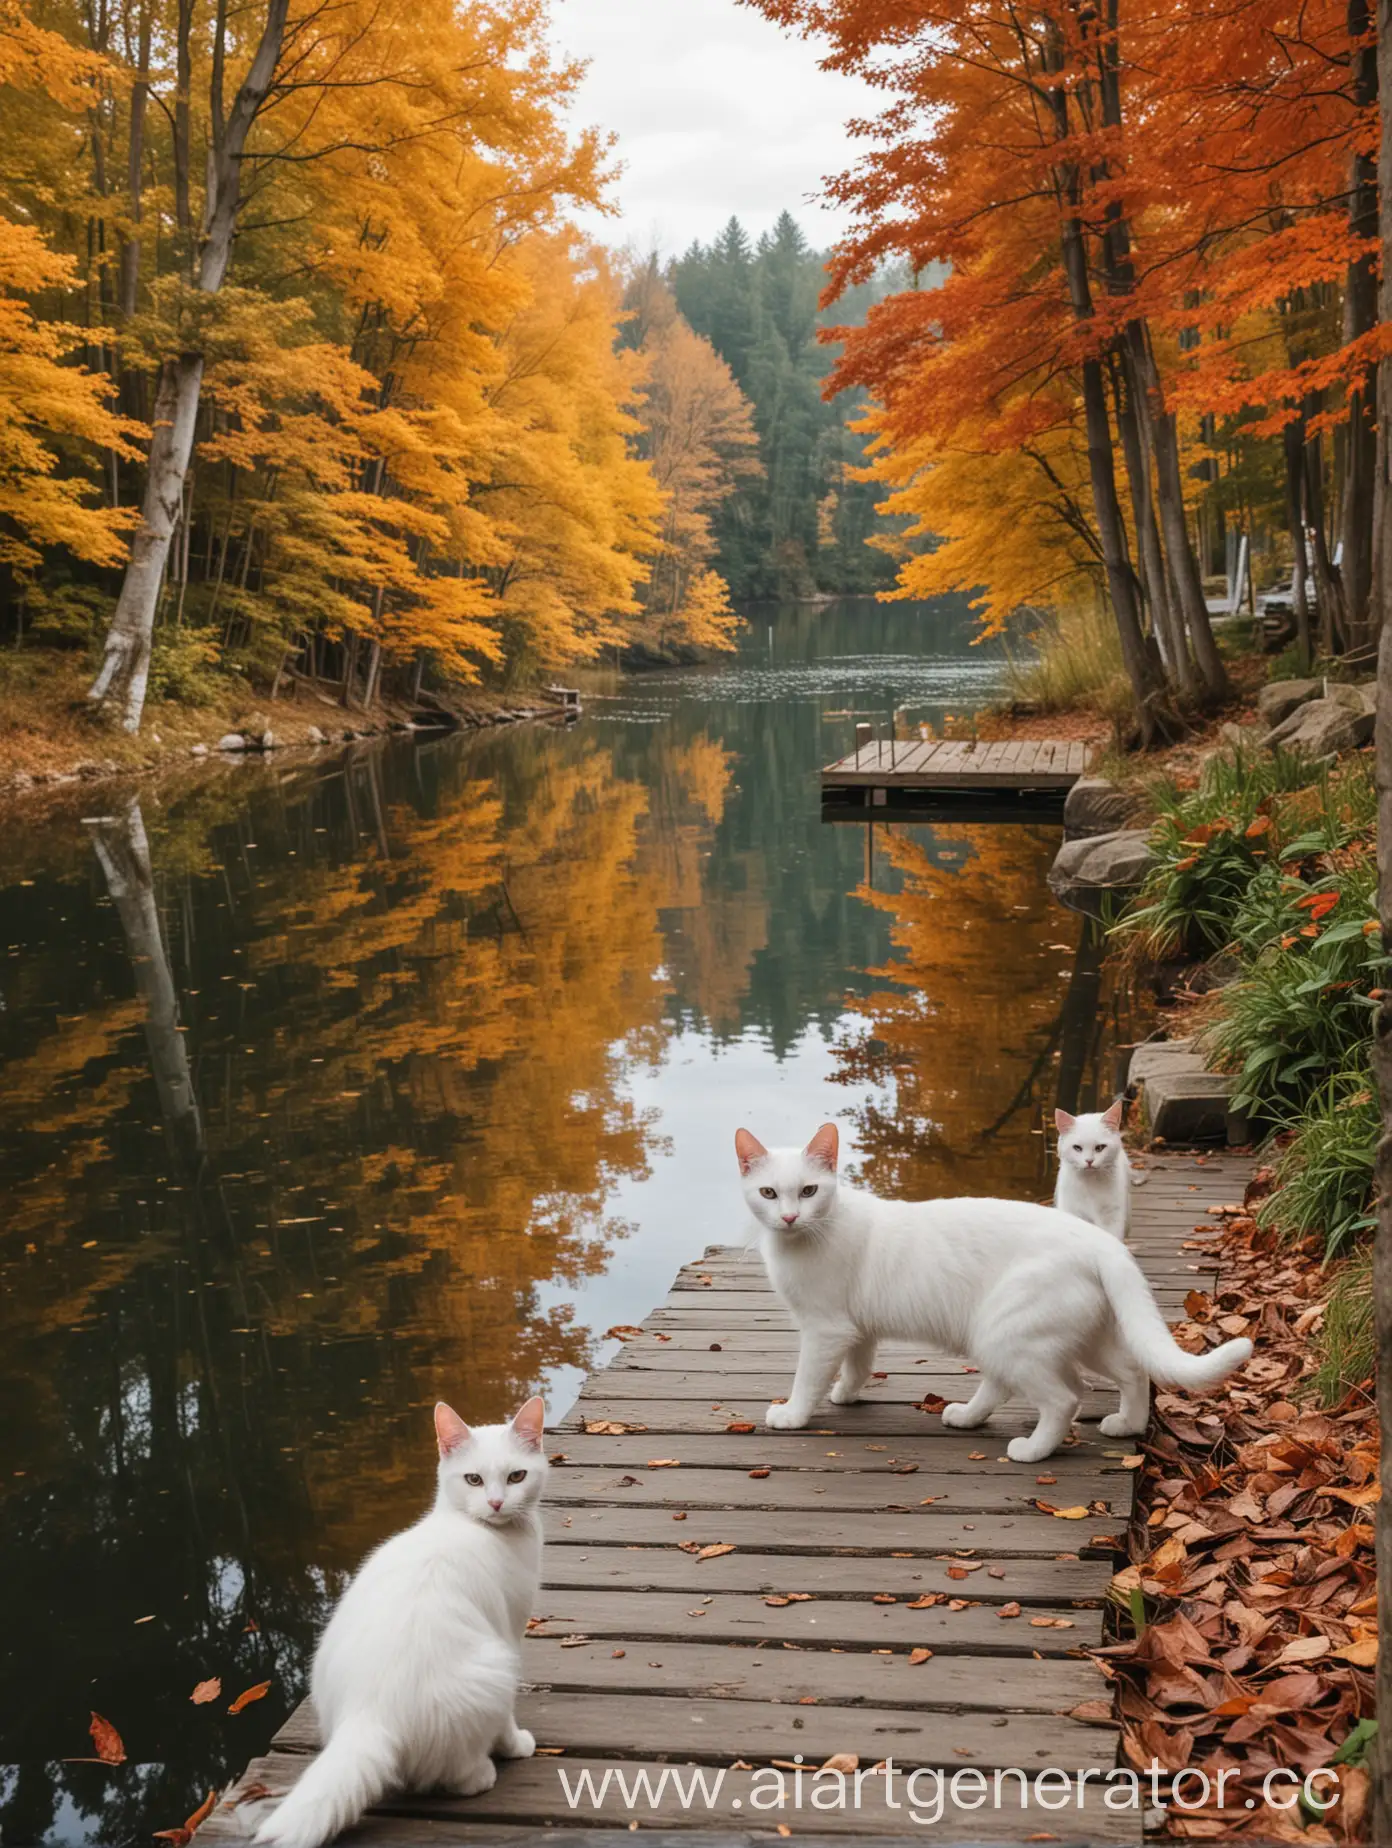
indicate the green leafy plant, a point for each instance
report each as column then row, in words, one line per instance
column 1303, row 1009
column 1324, row 1176
column 1346, row 1340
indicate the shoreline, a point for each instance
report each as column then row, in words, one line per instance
column 50, row 741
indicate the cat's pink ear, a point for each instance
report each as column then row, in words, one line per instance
column 823, row 1147
column 530, row 1422
column 749, row 1150
column 1112, row 1117
column 450, row 1429
column 1063, row 1122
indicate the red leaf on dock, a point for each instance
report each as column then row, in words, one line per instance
column 106, row 1741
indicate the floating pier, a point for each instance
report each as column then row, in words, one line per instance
column 721, row 1596
column 951, row 776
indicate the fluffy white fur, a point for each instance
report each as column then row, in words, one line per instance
column 416, row 1675
column 1094, row 1177
column 1034, row 1297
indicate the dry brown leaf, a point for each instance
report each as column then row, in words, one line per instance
column 741, row 1425
column 106, row 1741
column 184, row 1834
column 844, row 1762
column 1009, row 1610
column 623, row 1331
column 714, row 1552
column 663, row 1463
column 248, row 1695
column 919, row 1656
column 206, row 1691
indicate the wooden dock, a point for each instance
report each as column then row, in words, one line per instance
column 907, row 774
column 718, row 1595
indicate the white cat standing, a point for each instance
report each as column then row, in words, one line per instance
column 1094, row 1177
column 1034, row 1297
column 416, row 1676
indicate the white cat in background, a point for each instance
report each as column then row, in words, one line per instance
column 416, row 1676
column 1094, row 1177
column 1033, row 1297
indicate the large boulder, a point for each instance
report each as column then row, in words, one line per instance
column 1094, row 805
column 1278, row 700
column 1086, row 872
column 232, row 741
column 1325, row 727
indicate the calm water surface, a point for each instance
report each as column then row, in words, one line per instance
column 328, row 1089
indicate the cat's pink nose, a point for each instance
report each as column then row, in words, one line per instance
column 495, row 1504
column 788, row 1218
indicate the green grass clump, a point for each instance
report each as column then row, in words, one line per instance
column 1347, row 1340
column 1324, row 1175
column 1072, row 659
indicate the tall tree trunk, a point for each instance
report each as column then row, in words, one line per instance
column 125, row 668
column 140, row 96
column 1174, row 646
column 1295, row 516
column 1154, row 718
column 1381, row 610
column 1360, row 317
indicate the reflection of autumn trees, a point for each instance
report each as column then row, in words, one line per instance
column 410, row 998
column 961, row 1053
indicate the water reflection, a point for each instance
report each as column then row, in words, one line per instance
column 331, row 1088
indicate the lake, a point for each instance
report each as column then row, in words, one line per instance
column 332, row 1087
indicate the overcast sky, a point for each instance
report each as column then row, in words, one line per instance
column 716, row 111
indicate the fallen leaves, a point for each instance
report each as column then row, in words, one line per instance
column 610, row 1427
column 716, row 1551
column 1009, row 1610
column 917, row 1657
column 248, row 1695
column 106, row 1741
column 663, row 1463
column 844, row 1762
column 741, row 1427
column 183, row 1835
column 1250, row 1598
column 206, row 1691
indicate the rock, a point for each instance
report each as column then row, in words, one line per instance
column 1280, row 699
column 232, row 741
column 314, row 735
column 1242, row 737
column 1367, row 692
column 1181, row 1100
column 267, row 741
column 198, row 750
column 1323, row 728
column 1094, row 806
column 1084, row 871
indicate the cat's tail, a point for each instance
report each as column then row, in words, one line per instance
column 1144, row 1333
column 354, row 1769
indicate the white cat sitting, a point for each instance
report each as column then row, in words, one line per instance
column 1094, row 1177
column 415, row 1677
column 1034, row 1297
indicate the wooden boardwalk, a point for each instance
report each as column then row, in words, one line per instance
column 717, row 1595
column 884, row 773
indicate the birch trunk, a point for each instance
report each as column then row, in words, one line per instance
column 125, row 670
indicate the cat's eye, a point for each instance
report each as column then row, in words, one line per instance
column 808, row 1192
column 518, row 1475
column 1100, row 1147
column 474, row 1482
column 769, row 1193
column 1079, row 1147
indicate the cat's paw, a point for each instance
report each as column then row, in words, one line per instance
column 841, row 1394
column 1025, row 1450
column 1115, row 1425
column 783, row 1418
column 519, row 1743
column 957, row 1417
column 478, row 1778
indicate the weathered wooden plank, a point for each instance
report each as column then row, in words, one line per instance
column 814, row 1451
column 820, row 1624
column 640, row 1383
column 1051, row 1581
column 533, row 1790
column 746, row 1671
column 759, row 1730
column 676, row 1417
column 1009, row 1488
column 811, row 1528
